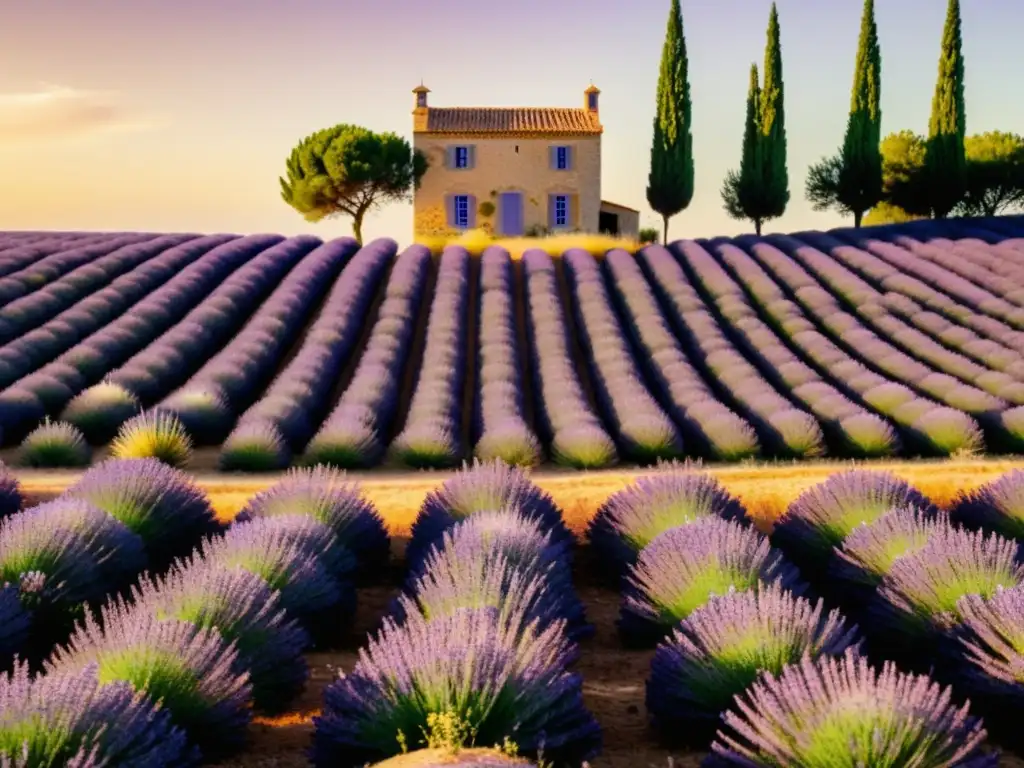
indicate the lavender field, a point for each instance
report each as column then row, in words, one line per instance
column 263, row 352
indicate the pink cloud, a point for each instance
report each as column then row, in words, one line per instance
column 57, row 112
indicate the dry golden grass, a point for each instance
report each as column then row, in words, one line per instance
column 476, row 240
column 765, row 489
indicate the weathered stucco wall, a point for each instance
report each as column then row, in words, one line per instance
column 498, row 168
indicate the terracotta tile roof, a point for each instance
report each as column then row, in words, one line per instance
column 610, row 204
column 563, row 120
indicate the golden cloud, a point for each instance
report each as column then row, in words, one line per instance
column 58, row 112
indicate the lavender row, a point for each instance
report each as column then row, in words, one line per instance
column 432, row 433
column 894, row 280
column 858, row 431
column 914, row 414
column 785, row 429
column 176, row 353
column 944, row 374
column 224, row 630
column 978, row 299
column 50, row 388
column 571, row 427
column 18, row 255
column 643, row 429
column 954, row 427
column 500, row 428
column 39, row 345
column 483, row 619
column 709, row 424
column 993, row 257
column 229, row 381
column 355, row 434
column 31, row 311
column 287, row 415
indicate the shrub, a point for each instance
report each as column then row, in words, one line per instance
column 631, row 518
column 948, row 432
column 100, row 410
column 205, row 414
column 10, row 493
column 648, row 235
column 426, row 445
column 55, row 445
column 73, row 719
column 327, row 496
column 584, row 446
column 504, row 685
column 160, row 504
column 819, row 709
column 153, row 434
column 825, row 514
column 684, row 567
column 511, row 442
column 245, row 611
column 997, row 506
column 990, row 637
column 869, row 436
column 254, row 447
column 721, row 648
column 190, row 671
column 477, row 488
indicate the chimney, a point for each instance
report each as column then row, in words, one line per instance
column 419, row 114
column 590, row 100
column 421, row 92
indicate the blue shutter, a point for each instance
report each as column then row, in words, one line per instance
column 568, row 158
column 471, row 209
column 553, row 159
column 449, row 157
column 551, row 211
column 449, row 207
column 471, row 156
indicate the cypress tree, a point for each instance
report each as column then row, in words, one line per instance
column 860, row 175
column 773, row 125
column 670, row 183
column 743, row 191
column 945, row 156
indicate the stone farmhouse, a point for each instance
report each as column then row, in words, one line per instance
column 513, row 170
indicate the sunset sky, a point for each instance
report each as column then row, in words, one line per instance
column 178, row 115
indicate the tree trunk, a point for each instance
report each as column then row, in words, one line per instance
column 858, row 216
column 757, row 227
column 357, row 227
column 665, row 236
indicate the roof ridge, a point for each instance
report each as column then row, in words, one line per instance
column 575, row 109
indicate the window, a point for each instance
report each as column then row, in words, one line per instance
column 562, row 158
column 462, row 211
column 561, row 210
column 462, row 157
column 592, row 101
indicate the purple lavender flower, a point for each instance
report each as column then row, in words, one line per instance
column 309, row 593
column 190, row 671
column 315, row 538
column 997, row 506
column 825, row 514
column 682, row 568
column 504, row 684
column 100, row 410
column 481, row 487
column 721, row 648
column 14, row 625
column 71, row 719
column 631, row 518
column 920, row 593
column 159, row 503
column 119, row 554
column 10, row 493
column 327, row 496
column 822, row 708
column 244, row 610
column 256, row 446
column 990, row 646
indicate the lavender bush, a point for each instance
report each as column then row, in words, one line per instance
column 153, row 434
column 100, row 411
column 721, row 649
column 631, row 518
column 74, row 719
column 55, row 445
column 996, row 506
column 822, row 708
column 190, row 671
column 505, row 685
column 327, row 496
column 682, row 568
column 254, row 447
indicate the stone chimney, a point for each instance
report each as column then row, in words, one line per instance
column 590, row 99
column 419, row 119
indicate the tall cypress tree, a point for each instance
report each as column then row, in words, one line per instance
column 670, row 183
column 945, row 157
column 773, row 125
column 743, row 190
column 860, row 175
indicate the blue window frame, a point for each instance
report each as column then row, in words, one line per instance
column 561, row 210
column 462, row 157
column 562, row 158
column 462, row 211
column 592, row 100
